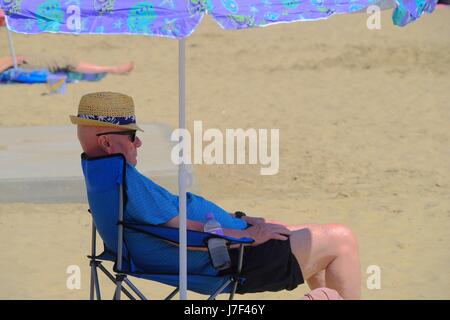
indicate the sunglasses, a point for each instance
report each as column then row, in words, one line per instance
column 130, row 133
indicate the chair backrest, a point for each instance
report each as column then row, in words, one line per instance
column 104, row 176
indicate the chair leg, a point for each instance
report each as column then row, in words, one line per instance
column 238, row 271
column 113, row 280
column 215, row 294
column 119, row 279
column 92, row 259
column 94, row 286
column 134, row 288
column 96, row 282
column 171, row 295
column 233, row 291
column 91, row 288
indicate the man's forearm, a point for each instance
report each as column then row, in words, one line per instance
column 198, row 226
column 234, row 233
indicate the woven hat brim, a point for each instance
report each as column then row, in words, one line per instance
column 96, row 123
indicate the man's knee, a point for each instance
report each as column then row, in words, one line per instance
column 322, row 242
column 343, row 236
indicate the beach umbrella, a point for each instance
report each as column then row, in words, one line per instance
column 178, row 19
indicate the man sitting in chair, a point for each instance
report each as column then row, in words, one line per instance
column 281, row 258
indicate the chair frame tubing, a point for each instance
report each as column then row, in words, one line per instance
column 119, row 277
column 95, row 287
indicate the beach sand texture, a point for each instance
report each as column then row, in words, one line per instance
column 364, row 141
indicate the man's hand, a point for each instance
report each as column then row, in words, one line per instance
column 253, row 221
column 264, row 232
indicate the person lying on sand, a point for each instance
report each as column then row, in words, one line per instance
column 56, row 64
column 281, row 258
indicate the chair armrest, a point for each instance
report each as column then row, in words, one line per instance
column 194, row 238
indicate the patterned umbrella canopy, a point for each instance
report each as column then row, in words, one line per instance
column 179, row 18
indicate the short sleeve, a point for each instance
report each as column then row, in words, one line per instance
column 146, row 201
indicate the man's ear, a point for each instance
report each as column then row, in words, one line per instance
column 104, row 143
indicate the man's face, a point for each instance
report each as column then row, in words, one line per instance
column 120, row 141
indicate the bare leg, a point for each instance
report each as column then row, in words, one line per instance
column 85, row 67
column 317, row 281
column 330, row 251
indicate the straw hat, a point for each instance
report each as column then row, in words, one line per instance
column 106, row 109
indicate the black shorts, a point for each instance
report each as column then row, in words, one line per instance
column 270, row 266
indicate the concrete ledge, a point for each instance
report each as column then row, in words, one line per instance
column 42, row 164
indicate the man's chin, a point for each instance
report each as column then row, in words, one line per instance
column 132, row 161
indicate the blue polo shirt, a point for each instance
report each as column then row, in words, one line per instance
column 148, row 202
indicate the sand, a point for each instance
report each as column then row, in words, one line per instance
column 364, row 141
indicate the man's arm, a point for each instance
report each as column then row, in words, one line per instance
column 260, row 233
column 198, row 226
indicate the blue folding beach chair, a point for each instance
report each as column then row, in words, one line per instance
column 105, row 180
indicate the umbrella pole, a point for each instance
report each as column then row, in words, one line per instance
column 11, row 48
column 182, row 171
